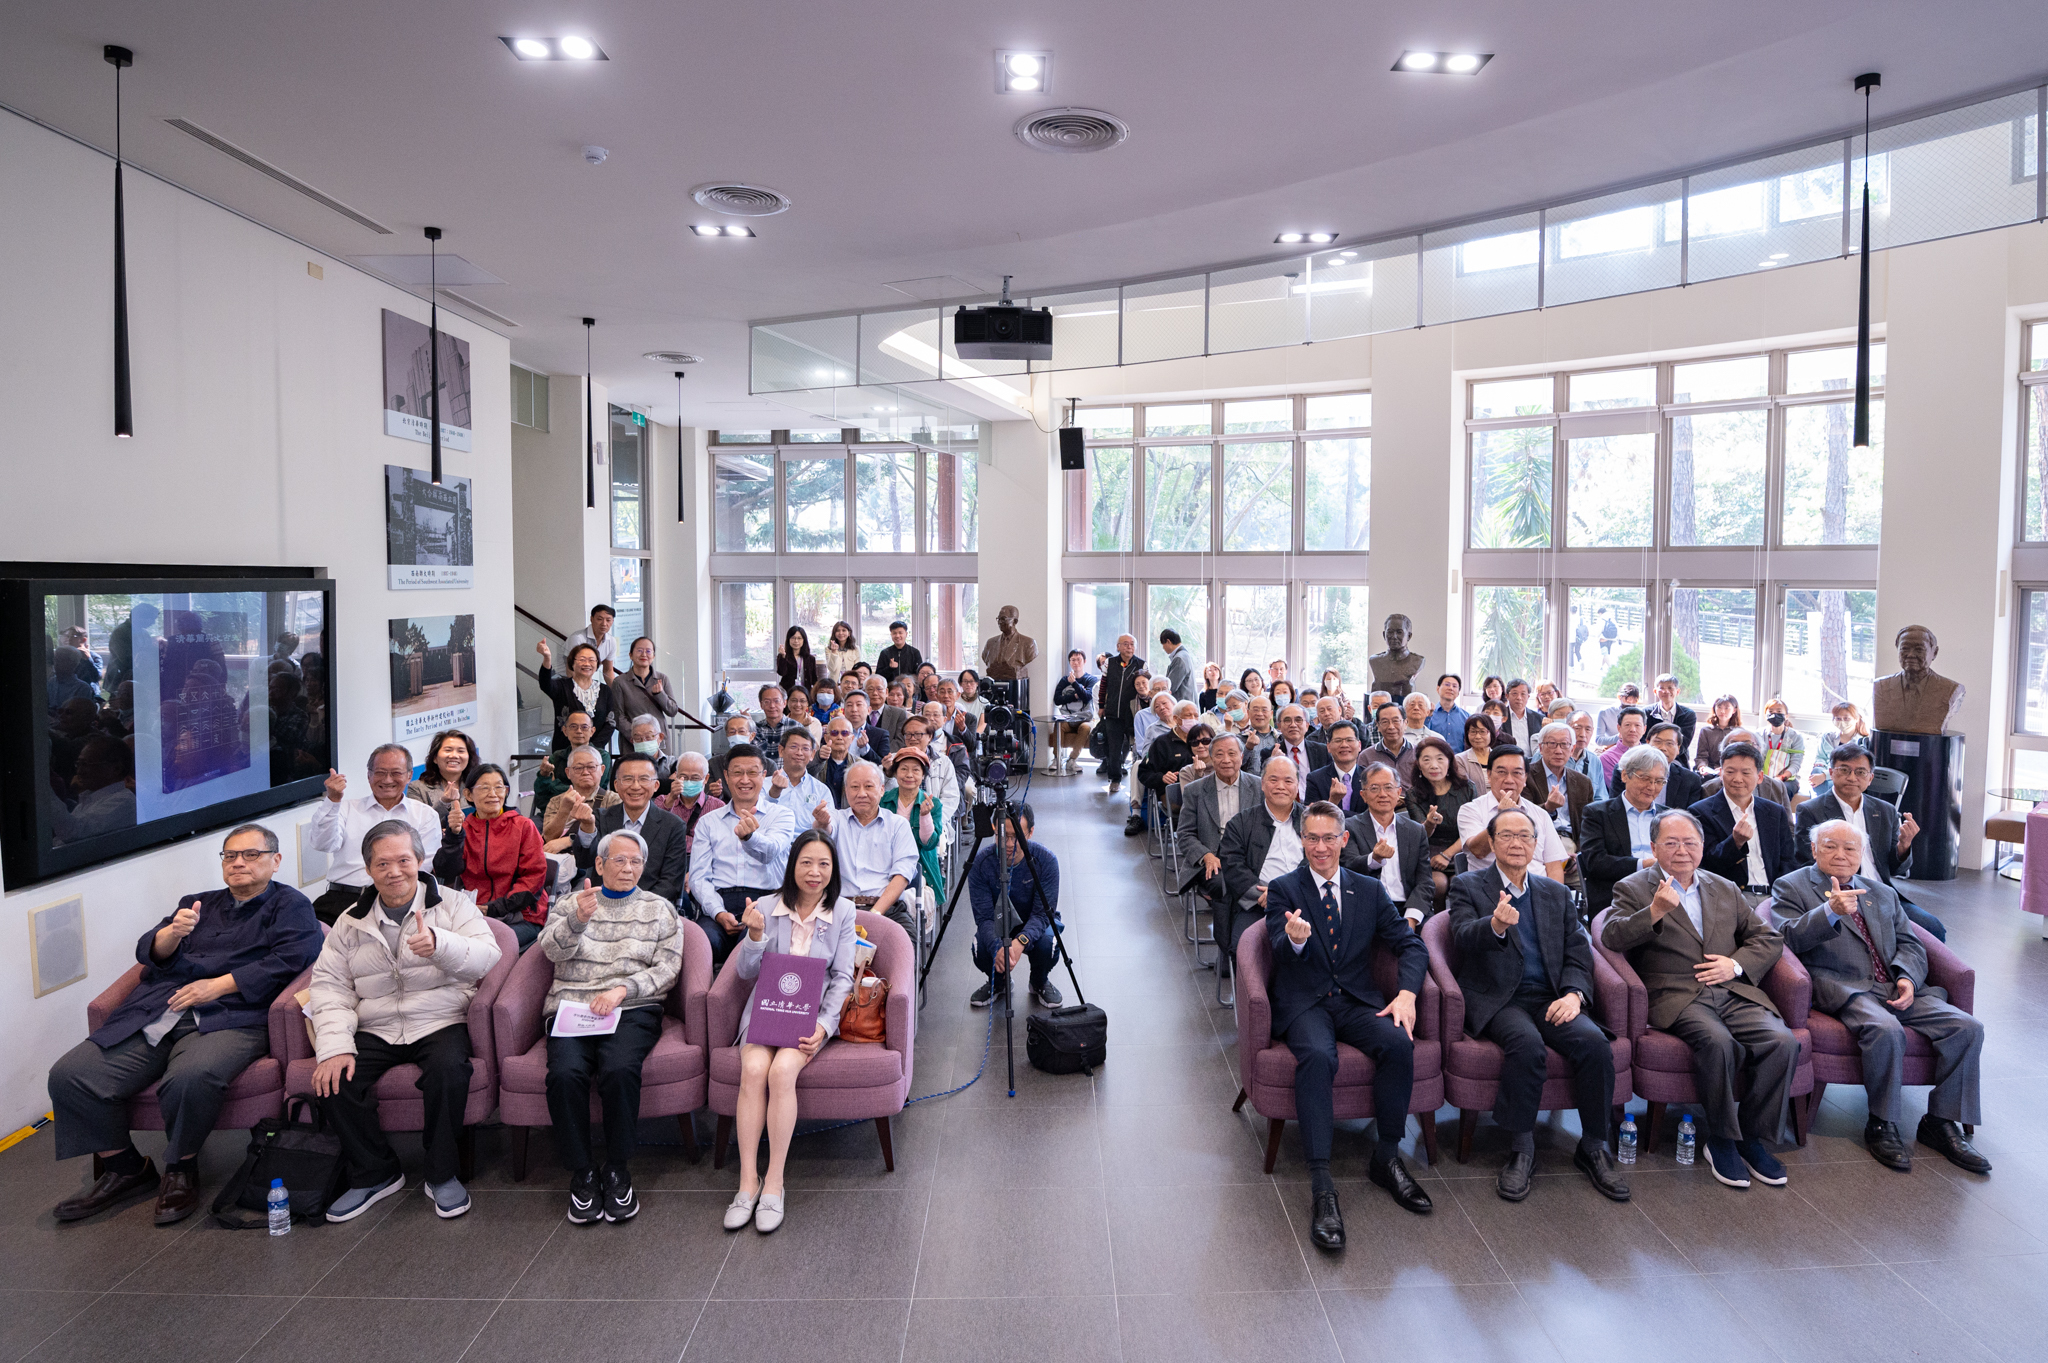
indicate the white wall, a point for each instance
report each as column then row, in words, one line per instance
column 259, row 440
column 1018, row 564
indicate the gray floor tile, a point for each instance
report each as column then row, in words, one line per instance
column 826, row 1329
column 672, row 1251
column 1565, row 1230
column 1918, row 1215
column 586, row 1332
column 1164, row 1146
column 1232, row 1238
column 832, row 1244
column 208, row 1258
column 84, row 1256
column 2001, row 1302
column 1625, row 1320
column 1850, row 1314
column 330, row 1330
column 987, row 1242
column 133, row 1328
column 1472, row 1323
column 1007, row 1330
column 1186, row 1075
column 1735, row 1230
column 1226, row 1325
column 1054, row 1145
column 27, row 1318
column 413, row 1253
column 1388, row 1246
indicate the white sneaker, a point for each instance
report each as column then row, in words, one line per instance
column 768, row 1215
column 740, row 1212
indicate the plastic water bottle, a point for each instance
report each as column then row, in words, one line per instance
column 1688, row 1143
column 1627, row 1152
column 280, row 1203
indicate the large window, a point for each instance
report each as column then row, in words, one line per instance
column 814, row 503
column 743, row 503
column 952, row 506
column 2034, row 434
column 882, row 604
column 1185, row 611
column 1097, row 613
column 1706, row 491
column 746, row 625
column 885, row 501
column 631, row 554
column 1257, row 617
column 955, row 613
column 1340, row 635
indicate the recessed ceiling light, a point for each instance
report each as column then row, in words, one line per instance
column 1781, row 255
column 1443, row 63
column 1312, row 238
column 1321, row 238
column 1023, row 71
column 571, row 48
column 713, row 229
column 1287, row 238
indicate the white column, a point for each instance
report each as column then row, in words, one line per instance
column 1417, row 493
column 1019, row 545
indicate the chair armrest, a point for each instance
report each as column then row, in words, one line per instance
column 693, row 985
column 1638, row 995
column 1948, row 970
column 1451, row 996
column 1429, row 1012
column 724, row 1004
column 100, row 1009
column 1610, row 996
column 516, row 1012
column 482, row 1035
column 287, row 1022
column 1254, row 1005
column 1791, row 988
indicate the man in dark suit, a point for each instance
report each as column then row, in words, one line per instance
column 1526, row 966
column 666, row 836
column 1322, row 923
column 1703, row 953
column 1749, row 839
column 1667, row 710
column 1119, row 703
column 830, row 765
column 1207, row 805
column 1390, row 847
column 1614, row 835
column 870, row 739
column 1341, row 782
column 1249, row 858
column 1683, row 787
column 1522, row 724
column 1869, row 972
column 1295, row 746
column 1888, row 835
column 1562, row 791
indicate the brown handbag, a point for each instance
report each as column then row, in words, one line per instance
column 864, row 1016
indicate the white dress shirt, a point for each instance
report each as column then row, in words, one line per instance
column 1755, row 871
column 1228, row 802
column 1473, row 819
column 719, row 860
column 1283, row 854
column 1389, row 871
column 607, row 649
column 870, row 853
column 1336, row 897
column 1855, row 818
column 338, row 827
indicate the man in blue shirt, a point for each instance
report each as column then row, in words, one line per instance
column 1448, row 719
column 1001, row 869
column 197, row 1018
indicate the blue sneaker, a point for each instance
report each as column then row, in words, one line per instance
column 1727, row 1164
column 451, row 1199
column 1766, row 1166
column 356, row 1201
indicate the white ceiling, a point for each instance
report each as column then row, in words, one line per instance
column 884, row 126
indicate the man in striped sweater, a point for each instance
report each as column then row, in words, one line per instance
column 617, row 950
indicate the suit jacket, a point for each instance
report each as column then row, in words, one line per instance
column 1880, row 825
column 1605, row 851
column 1665, row 953
column 833, row 774
column 1832, row 952
column 1336, row 956
column 1490, row 967
column 1245, row 844
column 1315, row 754
column 1411, row 851
column 1683, row 787
column 1322, row 778
column 1257, row 749
column 1578, row 790
column 1686, row 720
column 1199, row 830
column 878, row 744
column 1767, row 788
column 668, row 851
column 1521, row 732
column 1726, row 858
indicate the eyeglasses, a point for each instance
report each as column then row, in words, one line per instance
column 1321, row 839
column 1507, row 835
column 251, row 857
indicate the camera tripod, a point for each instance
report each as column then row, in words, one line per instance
column 1001, row 813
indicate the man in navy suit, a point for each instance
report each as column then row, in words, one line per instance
column 1322, row 923
column 1749, row 838
column 1342, row 782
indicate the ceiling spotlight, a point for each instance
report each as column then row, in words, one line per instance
column 1312, row 238
column 568, row 49
column 1288, row 238
column 1321, row 238
column 1443, row 63
column 1023, row 72
column 713, row 229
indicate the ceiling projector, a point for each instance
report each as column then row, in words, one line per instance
column 1003, row 331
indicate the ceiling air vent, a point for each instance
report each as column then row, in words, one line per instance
column 1071, row 130
column 673, row 357
column 742, row 201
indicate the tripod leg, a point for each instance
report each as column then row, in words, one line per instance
column 946, row 920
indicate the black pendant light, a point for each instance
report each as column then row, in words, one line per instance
column 124, row 398
column 1866, row 82
column 680, row 463
column 589, row 425
column 434, row 345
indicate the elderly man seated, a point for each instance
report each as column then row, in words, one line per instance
column 1870, row 973
column 554, row 779
column 1207, row 805
column 1260, row 845
column 194, row 1021
column 877, row 850
column 626, row 964
column 392, row 987
column 643, row 734
column 1614, row 835
column 1392, row 848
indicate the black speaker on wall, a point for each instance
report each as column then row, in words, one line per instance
column 1070, row 448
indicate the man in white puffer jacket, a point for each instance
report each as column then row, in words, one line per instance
column 392, row 986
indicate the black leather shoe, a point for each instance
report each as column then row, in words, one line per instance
column 1513, row 1184
column 178, row 1197
column 1945, row 1136
column 1326, row 1223
column 1597, row 1163
column 1134, row 825
column 108, row 1189
column 1395, row 1178
column 1887, row 1146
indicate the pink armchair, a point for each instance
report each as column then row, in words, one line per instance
column 1267, row 1066
column 848, row 1081
column 1662, row 1064
column 1472, row 1065
column 1835, row 1057
column 399, row 1104
column 672, row 1078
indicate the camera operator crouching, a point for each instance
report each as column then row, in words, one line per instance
column 1000, row 869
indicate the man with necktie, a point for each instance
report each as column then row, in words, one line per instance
column 1391, row 847
column 1322, row 923
column 1341, row 781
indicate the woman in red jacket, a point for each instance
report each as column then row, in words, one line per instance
column 494, row 852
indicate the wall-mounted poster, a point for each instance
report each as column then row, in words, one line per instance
column 428, row 530
column 433, row 675
column 408, row 378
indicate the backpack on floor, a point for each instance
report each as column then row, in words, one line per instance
column 1069, row 1040
column 304, row 1154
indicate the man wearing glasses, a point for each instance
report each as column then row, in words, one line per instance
column 195, row 1020
column 666, row 836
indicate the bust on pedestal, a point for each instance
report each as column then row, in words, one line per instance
column 1394, row 671
column 1005, row 656
column 1912, row 708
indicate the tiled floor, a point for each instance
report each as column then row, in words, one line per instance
column 1123, row 1216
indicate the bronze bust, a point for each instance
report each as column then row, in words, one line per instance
column 1394, row 671
column 1916, row 699
column 1006, row 654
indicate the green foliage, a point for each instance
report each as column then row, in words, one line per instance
column 1513, row 469
column 1628, row 667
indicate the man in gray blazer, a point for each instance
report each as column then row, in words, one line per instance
column 1207, row 805
column 1870, row 973
column 1887, row 835
column 1703, row 954
column 1391, row 847
column 1180, row 671
column 1254, row 852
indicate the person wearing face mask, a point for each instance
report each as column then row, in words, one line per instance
column 1073, row 708
column 1784, row 747
column 494, row 852
column 800, row 714
column 689, row 797
column 645, row 732
column 739, row 730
